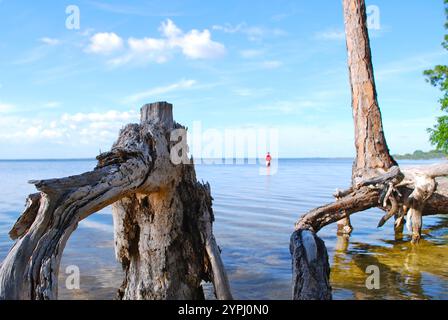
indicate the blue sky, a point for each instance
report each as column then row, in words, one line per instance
column 229, row 64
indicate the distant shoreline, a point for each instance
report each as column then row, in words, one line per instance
column 422, row 155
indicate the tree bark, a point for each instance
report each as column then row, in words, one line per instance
column 162, row 218
column 372, row 153
column 311, row 270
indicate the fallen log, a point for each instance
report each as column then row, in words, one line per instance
column 162, row 220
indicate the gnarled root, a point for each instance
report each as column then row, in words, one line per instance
column 416, row 195
column 411, row 192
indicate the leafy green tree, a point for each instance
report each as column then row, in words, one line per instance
column 438, row 77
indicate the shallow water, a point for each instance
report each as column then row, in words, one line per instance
column 255, row 215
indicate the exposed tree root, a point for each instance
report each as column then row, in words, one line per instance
column 412, row 192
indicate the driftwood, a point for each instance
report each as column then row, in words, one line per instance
column 407, row 193
column 377, row 181
column 162, row 220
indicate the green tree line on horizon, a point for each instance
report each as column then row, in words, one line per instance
column 438, row 77
column 422, row 155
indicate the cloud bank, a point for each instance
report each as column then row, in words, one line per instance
column 193, row 44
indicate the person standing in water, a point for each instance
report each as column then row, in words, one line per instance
column 268, row 160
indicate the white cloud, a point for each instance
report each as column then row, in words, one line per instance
column 35, row 54
column 319, row 100
column 198, row 45
column 244, row 92
column 109, row 116
column 50, row 41
column 283, row 16
column 86, row 32
column 144, row 50
column 288, row 107
column 96, row 226
column 193, row 44
column 142, row 9
column 183, row 84
column 408, row 64
column 105, row 43
column 169, row 29
column 331, row 35
column 68, row 129
column 228, row 28
column 6, row 107
column 253, row 33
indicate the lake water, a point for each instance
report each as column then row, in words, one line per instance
column 255, row 216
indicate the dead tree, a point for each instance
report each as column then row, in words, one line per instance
column 372, row 152
column 377, row 181
column 162, row 220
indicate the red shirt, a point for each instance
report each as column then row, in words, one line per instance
column 268, row 157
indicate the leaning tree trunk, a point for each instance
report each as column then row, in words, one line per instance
column 162, row 218
column 377, row 181
column 372, row 153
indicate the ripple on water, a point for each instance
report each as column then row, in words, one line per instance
column 255, row 216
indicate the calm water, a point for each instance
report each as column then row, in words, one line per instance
column 255, row 215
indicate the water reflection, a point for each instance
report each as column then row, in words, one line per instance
column 406, row 271
column 255, row 214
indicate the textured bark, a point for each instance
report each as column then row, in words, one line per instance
column 372, row 153
column 350, row 201
column 162, row 218
column 162, row 241
column 311, row 270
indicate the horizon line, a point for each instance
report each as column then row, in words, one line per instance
column 94, row 159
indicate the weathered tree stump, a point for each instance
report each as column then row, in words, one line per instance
column 162, row 220
column 310, row 270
